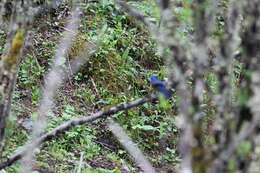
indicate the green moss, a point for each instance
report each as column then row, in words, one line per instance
column 78, row 45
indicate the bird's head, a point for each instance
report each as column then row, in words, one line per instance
column 153, row 77
column 154, row 81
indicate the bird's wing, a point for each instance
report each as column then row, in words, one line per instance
column 156, row 82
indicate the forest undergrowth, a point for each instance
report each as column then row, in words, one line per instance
column 118, row 72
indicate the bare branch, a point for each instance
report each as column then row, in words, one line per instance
column 154, row 30
column 130, row 146
column 132, row 12
column 52, row 83
column 73, row 122
column 17, row 21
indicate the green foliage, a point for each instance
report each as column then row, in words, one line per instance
column 77, row 139
column 237, row 73
column 172, row 155
column 232, row 164
column 244, row 148
column 99, row 170
column 2, row 40
column 257, row 150
column 212, row 82
column 29, row 74
column 116, row 73
column 11, row 124
column 35, row 94
column 242, row 97
column 220, row 18
column 149, row 8
column 148, row 126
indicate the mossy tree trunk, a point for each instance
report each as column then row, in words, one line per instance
column 8, row 75
column 10, row 60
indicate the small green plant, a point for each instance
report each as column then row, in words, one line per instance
column 35, row 94
column 29, row 76
column 30, row 72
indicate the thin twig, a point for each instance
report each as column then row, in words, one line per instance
column 94, row 85
column 80, row 163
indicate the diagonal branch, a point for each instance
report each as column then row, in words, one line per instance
column 130, row 146
column 73, row 122
column 132, row 12
column 52, row 82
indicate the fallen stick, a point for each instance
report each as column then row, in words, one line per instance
column 73, row 122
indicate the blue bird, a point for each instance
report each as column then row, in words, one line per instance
column 159, row 86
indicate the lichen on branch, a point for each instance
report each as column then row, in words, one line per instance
column 11, row 59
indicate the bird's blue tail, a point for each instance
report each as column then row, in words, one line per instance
column 166, row 93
